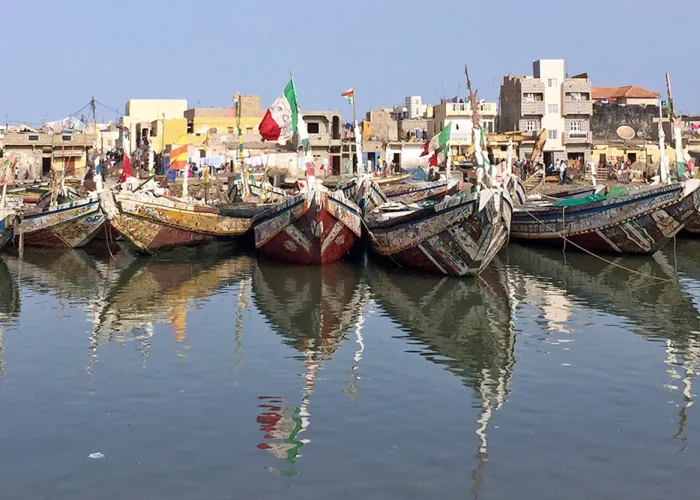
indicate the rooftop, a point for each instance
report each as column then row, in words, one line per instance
column 628, row 91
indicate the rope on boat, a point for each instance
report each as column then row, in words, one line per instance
column 607, row 261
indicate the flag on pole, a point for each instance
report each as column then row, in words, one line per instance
column 438, row 141
column 283, row 120
column 349, row 95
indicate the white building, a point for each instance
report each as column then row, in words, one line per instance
column 415, row 108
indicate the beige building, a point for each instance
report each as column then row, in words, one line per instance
column 550, row 100
column 140, row 113
column 38, row 153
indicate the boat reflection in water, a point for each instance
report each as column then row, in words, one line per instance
column 647, row 292
column 466, row 325
column 160, row 290
column 314, row 309
column 9, row 307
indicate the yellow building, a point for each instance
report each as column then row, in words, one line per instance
column 645, row 154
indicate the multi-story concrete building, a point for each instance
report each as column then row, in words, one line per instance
column 415, row 107
column 325, row 140
column 550, row 100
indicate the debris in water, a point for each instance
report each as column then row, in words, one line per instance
column 96, row 456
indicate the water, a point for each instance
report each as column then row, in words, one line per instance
column 207, row 374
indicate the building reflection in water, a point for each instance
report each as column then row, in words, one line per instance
column 313, row 309
column 9, row 307
column 646, row 292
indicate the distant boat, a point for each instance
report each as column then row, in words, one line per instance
column 639, row 221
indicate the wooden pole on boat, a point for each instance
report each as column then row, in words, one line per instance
column 677, row 138
column 358, row 139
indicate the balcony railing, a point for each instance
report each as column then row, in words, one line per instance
column 532, row 108
column 577, row 137
column 578, row 107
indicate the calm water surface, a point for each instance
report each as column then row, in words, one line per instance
column 208, row 374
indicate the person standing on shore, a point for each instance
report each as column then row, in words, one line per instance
column 594, row 173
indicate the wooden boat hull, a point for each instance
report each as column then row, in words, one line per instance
column 412, row 192
column 69, row 225
column 153, row 224
column 6, row 229
column 692, row 225
column 458, row 236
column 314, row 228
column 641, row 222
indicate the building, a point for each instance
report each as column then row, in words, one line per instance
column 325, row 139
column 458, row 111
column 415, row 107
column 141, row 113
column 38, row 153
column 550, row 100
column 628, row 95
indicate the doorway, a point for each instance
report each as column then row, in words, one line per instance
column 396, row 162
column 335, row 164
column 632, row 157
column 45, row 166
column 548, row 158
column 603, row 159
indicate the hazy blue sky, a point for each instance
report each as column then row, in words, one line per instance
column 58, row 54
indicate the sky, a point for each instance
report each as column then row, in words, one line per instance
column 57, row 55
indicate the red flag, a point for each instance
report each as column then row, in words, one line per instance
column 426, row 152
column 432, row 162
column 126, row 164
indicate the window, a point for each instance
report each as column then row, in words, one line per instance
column 575, row 126
column 33, row 137
column 552, row 82
column 67, row 137
column 229, row 130
column 531, row 125
column 190, row 127
column 552, row 134
column 313, row 127
column 553, row 108
column 529, row 97
column 202, row 153
column 213, row 130
column 575, row 96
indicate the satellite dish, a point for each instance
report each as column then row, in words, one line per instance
column 626, row 132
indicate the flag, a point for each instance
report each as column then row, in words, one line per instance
column 438, row 141
column 126, row 165
column 282, row 121
column 426, row 149
column 349, row 95
column 433, row 161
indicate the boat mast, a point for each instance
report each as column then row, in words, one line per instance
column 479, row 154
column 358, row 139
column 676, row 123
column 663, row 168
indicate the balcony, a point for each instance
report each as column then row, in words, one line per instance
column 465, row 109
column 577, row 138
column 577, row 108
column 535, row 108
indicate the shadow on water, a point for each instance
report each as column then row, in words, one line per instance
column 648, row 293
column 462, row 324
column 314, row 309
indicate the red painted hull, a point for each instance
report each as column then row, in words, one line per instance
column 315, row 236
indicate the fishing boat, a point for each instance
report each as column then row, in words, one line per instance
column 458, row 236
column 71, row 223
column 317, row 226
column 153, row 223
column 7, row 221
column 312, row 228
column 637, row 221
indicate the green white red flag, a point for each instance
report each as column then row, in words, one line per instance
column 349, row 95
column 283, row 120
